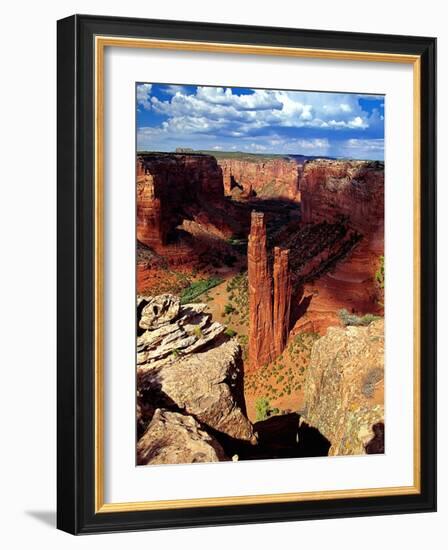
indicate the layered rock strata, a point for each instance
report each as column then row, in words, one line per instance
column 264, row 178
column 261, row 350
column 331, row 189
column 186, row 364
column 344, row 389
column 269, row 296
column 282, row 299
column 172, row 188
column 350, row 194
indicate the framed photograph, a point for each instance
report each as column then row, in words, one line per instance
column 246, row 274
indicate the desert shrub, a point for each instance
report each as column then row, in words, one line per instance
column 379, row 274
column 230, row 332
column 197, row 288
column 228, row 309
column 198, row 332
column 350, row 319
column 262, row 408
column 370, row 381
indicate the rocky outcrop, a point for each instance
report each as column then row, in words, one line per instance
column 172, row 188
column 158, row 311
column 344, row 388
column 205, row 385
column 268, row 311
column 264, row 178
column 174, row 331
column 185, row 363
column 173, row 438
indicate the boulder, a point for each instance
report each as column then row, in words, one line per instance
column 205, row 385
column 173, row 438
column 158, row 311
column 344, row 388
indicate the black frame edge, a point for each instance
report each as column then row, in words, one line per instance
column 66, row 274
column 76, row 264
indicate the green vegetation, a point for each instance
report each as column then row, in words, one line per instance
column 197, row 288
column 301, row 345
column 230, row 332
column 285, row 376
column 237, row 241
column 238, row 289
column 379, row 278
column 198, row 332
column 243, row 339
column 239, row 155
column 379, row 275
column 350, row 319
column 262, row 408
column 228, row 309
column 176, row 353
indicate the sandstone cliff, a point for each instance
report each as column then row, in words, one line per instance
column 342, row 204
column 187, row 365
column 353, row 189
column 344, row 388
column 269, row 296
column 265, row 178
column 173, row 188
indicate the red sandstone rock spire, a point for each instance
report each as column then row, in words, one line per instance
column 260, row 294
column 282, row 299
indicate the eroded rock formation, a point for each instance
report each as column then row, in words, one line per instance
column 261, row 350
column 342, row 204
column 172, row 331
column 344, row 388
column 173, row 438
column 172, row 188
column 264, row 178
column 269, row 308
column 282, row 299
column 185, row 363
column 353, row 189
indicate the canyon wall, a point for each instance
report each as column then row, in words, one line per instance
column 331, row 189
column 263, row 178
column 172, row 188
column 269, row 296
column 350, row 194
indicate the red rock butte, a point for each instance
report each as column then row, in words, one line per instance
column 269, row 296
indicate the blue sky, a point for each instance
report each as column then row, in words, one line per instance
column 259, row 121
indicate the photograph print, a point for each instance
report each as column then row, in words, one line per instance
column 259, row 274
